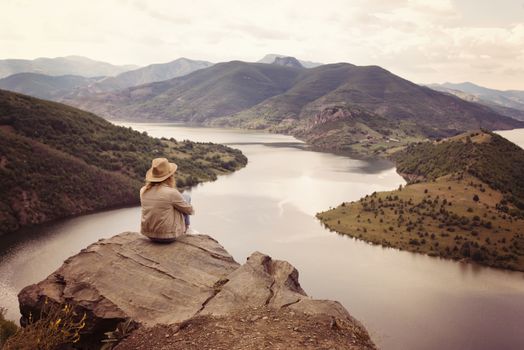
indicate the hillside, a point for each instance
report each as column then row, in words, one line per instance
column 354, row 130
column 45, row 86
column 153, row 73
column 484, row 155
column 222, row 89
column 418, row 110
column 57, row 161
column 509, row 103
column 144, row 75
column 65, row 87
column 69, row 65
column 464, row 200
column 292, row 100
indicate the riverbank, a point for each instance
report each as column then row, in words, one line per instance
column 439, row 218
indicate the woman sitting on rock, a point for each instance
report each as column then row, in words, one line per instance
column 163, row 207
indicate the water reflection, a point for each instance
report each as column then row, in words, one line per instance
column 516, row 136
column 299, row 145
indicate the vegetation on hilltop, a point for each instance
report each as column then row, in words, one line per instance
column 39, row 183
column 464, row 201
column 485, row 155
column 57, row 161
column 440, row 218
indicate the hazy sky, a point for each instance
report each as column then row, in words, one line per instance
column 422, row 40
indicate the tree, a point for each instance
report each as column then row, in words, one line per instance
column 476, row 198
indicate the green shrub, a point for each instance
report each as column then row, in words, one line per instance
column 7, row 328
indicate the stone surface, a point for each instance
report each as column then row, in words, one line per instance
column 253, row 329
column 262, row 281
column 288, row 62
column 130, row 277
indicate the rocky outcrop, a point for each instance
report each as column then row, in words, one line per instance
column 288, row 62
column 330, row 114
column 128, row 277
column 262, row 281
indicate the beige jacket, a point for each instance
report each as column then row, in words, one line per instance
column 162, row 208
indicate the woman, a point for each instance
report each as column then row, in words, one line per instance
column 163, row 207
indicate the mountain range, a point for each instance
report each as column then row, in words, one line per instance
column 509, row 102
column 69, row 65
column 43, row 86
column 339, row 107
column 67, row 86
column 346, row 107
column 150, row 74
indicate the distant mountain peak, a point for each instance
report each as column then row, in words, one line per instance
column 76, row 57
column 270, row 58
column 56, row 66
column 288, row 62
column 506, row 102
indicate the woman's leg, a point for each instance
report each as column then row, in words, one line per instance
column 187, row 197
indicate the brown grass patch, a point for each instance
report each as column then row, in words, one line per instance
column 440, row 218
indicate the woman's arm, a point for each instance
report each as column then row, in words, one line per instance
column 180, row 203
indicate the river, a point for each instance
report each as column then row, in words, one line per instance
column 405, row 300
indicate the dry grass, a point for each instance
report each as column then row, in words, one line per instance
column 473, row 136
column 439, row 218
column 55, row 327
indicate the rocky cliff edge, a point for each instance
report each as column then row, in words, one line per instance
column 159, row 287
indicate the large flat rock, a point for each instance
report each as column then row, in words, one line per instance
column 130, row 277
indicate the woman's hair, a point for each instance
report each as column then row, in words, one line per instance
column 170, row 181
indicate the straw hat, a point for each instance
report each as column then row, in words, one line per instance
column 160, row 170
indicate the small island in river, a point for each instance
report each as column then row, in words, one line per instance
column 464, row 200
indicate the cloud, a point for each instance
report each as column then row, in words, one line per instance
column 423, row 40
column 258, row 31
column 162, row 12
